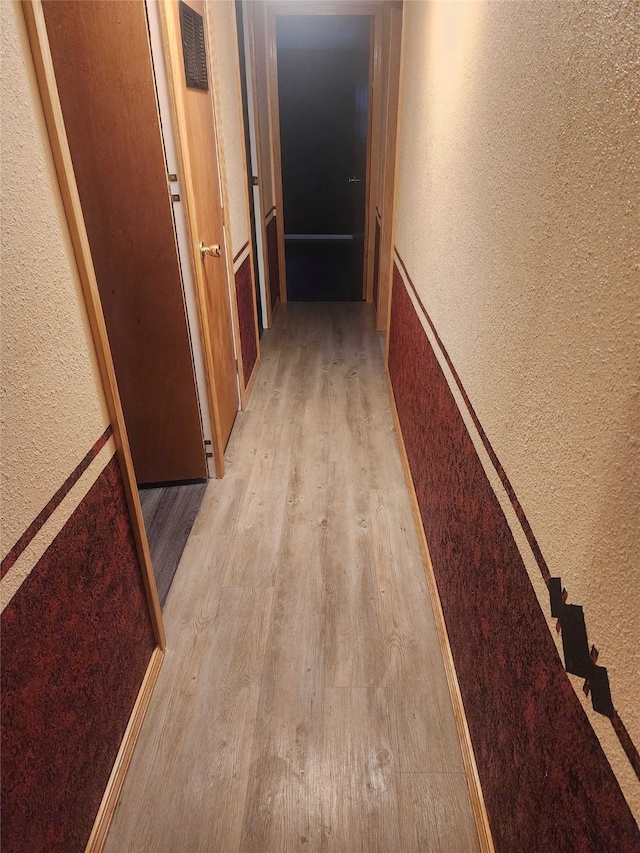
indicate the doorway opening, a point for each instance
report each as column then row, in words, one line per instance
column 323, row 72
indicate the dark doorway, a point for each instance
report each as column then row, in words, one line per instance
column 323, row 89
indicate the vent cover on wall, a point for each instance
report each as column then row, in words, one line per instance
column 193, row 50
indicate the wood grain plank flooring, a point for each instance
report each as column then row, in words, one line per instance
column 283, row 797
column 359, row 803
column 303, row 703
column 169, row 513
column 435, row 814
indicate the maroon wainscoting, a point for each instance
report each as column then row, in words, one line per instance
column 272, row 257
column 52, row 505
column 76, row 642
column 246, row 318
column 546, row 781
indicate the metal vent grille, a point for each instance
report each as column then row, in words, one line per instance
column 193, row 50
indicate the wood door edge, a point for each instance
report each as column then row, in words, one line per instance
column 251, row 32
column 373, row 150
column 228, row 236
column 45, row 76
column 394, row 200
column 276, row 149
column 110, row 798
column 478, row 806
column 387, row 226
column 174, row 70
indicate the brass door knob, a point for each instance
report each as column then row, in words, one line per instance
column 213, row 251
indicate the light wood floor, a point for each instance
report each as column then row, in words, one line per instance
column 303, row 703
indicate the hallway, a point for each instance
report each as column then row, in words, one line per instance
column 303, row 702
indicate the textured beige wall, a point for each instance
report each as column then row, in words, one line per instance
column 517, row 219
column 51, row 398
column 230, row 128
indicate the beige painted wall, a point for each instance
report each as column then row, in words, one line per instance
column 229, row 116
column 52, row 408
column 517, row 218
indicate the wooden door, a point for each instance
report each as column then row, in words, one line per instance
column 201, row 183
column 391, row 94
column 360, row 141
column 104, row 75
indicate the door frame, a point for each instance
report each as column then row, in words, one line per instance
column 175, row 70
column 393, row 23
column 373, row 10
column 256, row 134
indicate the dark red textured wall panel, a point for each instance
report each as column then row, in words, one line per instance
column 76, row 642
column 56, row 500
column 272, row 257
column 546, row 781
column 246, row 318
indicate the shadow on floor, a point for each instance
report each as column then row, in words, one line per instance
column 324, row 270
column 169, row 513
